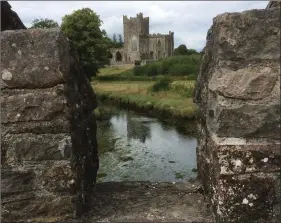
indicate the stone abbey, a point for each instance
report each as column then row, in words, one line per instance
column 139, row 45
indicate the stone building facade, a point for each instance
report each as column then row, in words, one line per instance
column 139, row 45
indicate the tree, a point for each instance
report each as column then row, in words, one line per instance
column 82, row 28
column 44, row 24
column 182, row 50
column 114, row 39
column 191, row 51
column 120, row 41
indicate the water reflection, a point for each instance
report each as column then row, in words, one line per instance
column 136, row 147
column 137, row 128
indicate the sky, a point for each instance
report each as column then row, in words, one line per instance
column 189, row 20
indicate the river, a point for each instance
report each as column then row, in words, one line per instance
column 135, row 147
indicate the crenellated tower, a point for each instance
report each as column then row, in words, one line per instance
column 136, row 30
column 139, row 44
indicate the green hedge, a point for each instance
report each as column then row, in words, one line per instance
column 172, row 66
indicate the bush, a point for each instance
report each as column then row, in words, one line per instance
column 172, row 66
column 183, row 90
column 139, row 71
column 151, row 69
column 163, row 84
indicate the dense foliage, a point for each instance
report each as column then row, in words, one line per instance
column 44, row 24
column 162, row 84
column 82, row 27
column 117, row 43
column 173, row 66
column 182, row 50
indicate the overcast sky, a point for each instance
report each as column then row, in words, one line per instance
column 189, row 20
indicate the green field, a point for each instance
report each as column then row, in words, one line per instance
column 162, row 92
column 177, row 100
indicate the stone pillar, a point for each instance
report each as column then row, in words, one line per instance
column 9, row 19
column 273, row 4
column 238, row 94
column 48, row 131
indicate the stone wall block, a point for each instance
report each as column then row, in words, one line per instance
column 237, row 34
column 30, row 63
column 256, row 194
column 49, row 157
column 238, row 94
column 37, row 208
column 35, row 106
column 35, row 147
column 54, row 126
column 11, row 181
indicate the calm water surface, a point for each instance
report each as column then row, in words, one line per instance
column 134, row 147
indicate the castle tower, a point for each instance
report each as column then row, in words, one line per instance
column 136, row 31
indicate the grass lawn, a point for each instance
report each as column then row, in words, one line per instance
column 177, row 100
column 115, row 70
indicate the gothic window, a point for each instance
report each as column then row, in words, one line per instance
column 143, row 56
column 118, row 56
column 110, row 55
column 151, row 55
column 134, row 43
column 159, row 44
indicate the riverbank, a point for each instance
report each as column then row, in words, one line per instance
column 173, row 103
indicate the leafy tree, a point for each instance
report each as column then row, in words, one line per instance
column 109, row 42
column 44, row 24
column 114, row 43
column 182, row 50
column 114, row 39
column 82, row 28
column 120, row 41
column 191, row 51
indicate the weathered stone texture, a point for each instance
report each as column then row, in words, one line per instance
column 9, row 19
column 238, row 93
column 273, row 4
column 48, row 138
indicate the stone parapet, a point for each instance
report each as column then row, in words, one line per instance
column 238, row 94
column 49, row 154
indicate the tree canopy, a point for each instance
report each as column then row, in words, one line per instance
column 44, row 24
column 182, row 50
column 83, row 29
column 116, row 43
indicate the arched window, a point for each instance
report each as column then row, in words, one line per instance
column 151, row 55
column 159, row 44
column 118, row 56
column 110, row 55
column 143, row 57
column 134, row 43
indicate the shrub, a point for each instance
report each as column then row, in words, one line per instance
column 163, row 84
column 151, row 69
column 139, row 70
column 173, row 66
